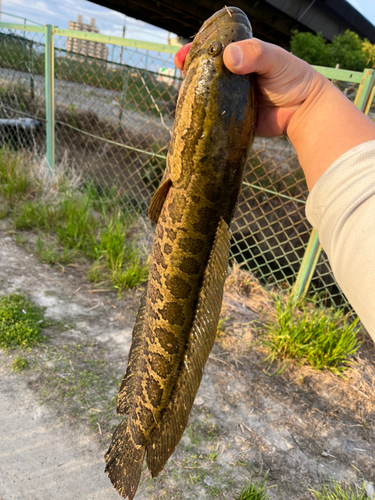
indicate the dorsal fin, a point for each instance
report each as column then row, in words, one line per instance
column 202, row 336
column 126, row 392
column 158, row 200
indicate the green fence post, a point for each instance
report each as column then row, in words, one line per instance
column 308, row 265
column 363, row 99
column 365, row 90
column 50, row 95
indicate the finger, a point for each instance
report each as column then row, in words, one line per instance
column 256, row 56
column 180, row 56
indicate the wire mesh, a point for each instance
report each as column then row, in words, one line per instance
column 114, row 116
column 114, row 110
column 270, row 231
column 22, row 95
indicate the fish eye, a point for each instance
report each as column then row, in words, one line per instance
column 215, row 48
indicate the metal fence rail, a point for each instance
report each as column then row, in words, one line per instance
column 112, row 118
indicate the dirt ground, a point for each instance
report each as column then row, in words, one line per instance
column 301, row 427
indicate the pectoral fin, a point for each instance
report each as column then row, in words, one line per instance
column 202, row 336
column 126, row 393
column 158, row 200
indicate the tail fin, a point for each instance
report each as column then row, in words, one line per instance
column 124, row 462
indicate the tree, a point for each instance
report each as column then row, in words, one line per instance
column 311, row 48
column 346, row 51
column 369, row 50
column 349, row 51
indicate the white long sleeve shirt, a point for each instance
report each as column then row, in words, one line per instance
column 341, row 207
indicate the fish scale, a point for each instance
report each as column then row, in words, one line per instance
column 166, row 311
column 177, row 320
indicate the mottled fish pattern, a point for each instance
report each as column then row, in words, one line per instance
column 176, row 323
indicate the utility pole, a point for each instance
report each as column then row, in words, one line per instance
column 123, row 36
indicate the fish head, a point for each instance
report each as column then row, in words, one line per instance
column 215, row 113
column 226, row 26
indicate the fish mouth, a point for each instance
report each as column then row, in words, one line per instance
column 226, row 16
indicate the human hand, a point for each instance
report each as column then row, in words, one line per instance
column 284, row 82
column 295, row 100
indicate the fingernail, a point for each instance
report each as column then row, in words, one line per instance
column 235, row 54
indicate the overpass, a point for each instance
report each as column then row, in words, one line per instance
column 272, row 20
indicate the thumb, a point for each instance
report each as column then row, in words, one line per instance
column 255, row 56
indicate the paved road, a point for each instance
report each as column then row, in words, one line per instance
column 79, row 97
column 41, row 458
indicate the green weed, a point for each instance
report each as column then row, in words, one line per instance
column 220, row 326
column 254, row 491
column 214, row 491
column 200, row 432
column 20, row 322
column 78, row 224
column 340, row 491
column 73, row 223
column 131, row 275
column 321, row 337
column 50, row 253
column 112, row 244
column 14, row 181
column 118, row 260
column 27, row 216
column 20, row 364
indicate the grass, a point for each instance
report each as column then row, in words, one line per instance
column 21, row 322
column 340, row 491
column 321, row 337
column 77, row 380
column 73, row 220
column 202, row 432
column 14, row 180
column 20, row 364
column 220, row 330
column 254, row 491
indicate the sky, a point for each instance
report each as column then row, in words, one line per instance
column 366, row 8
column 109, row 22
column 60, row 12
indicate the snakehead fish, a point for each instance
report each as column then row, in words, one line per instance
column 177, row 320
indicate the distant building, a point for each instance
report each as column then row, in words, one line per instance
column 178, row 41
column 167, row 75
column 96, row 50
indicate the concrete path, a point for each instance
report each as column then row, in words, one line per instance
column 42, row 458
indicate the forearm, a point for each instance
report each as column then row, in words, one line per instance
column 326, row 126
column 341, row 206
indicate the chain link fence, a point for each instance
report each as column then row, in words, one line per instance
column 113, row 119
column 22, row 90
column 270, row 229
